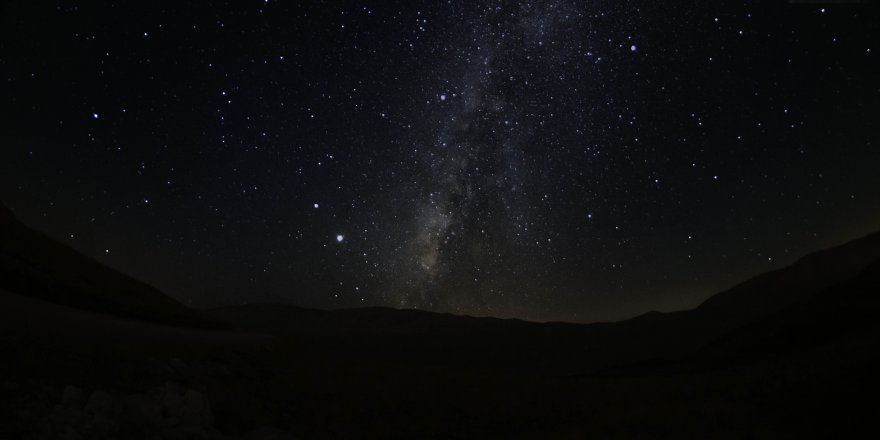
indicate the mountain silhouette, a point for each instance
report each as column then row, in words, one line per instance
column 518, row 345
column 35, row 265
column 93, row 353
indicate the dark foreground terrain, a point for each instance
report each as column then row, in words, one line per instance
column 89, row 353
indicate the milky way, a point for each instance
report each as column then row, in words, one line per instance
column 474, row 215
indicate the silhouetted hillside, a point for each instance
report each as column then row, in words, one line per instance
column 778, row 289
column 35, row 265
column 844, row 314
column 441, row 339
column 787, row 353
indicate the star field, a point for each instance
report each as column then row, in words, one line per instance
column 546, row 160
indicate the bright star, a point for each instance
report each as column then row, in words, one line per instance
column 339, row 238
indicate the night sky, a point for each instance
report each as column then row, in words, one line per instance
column 545, row 160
